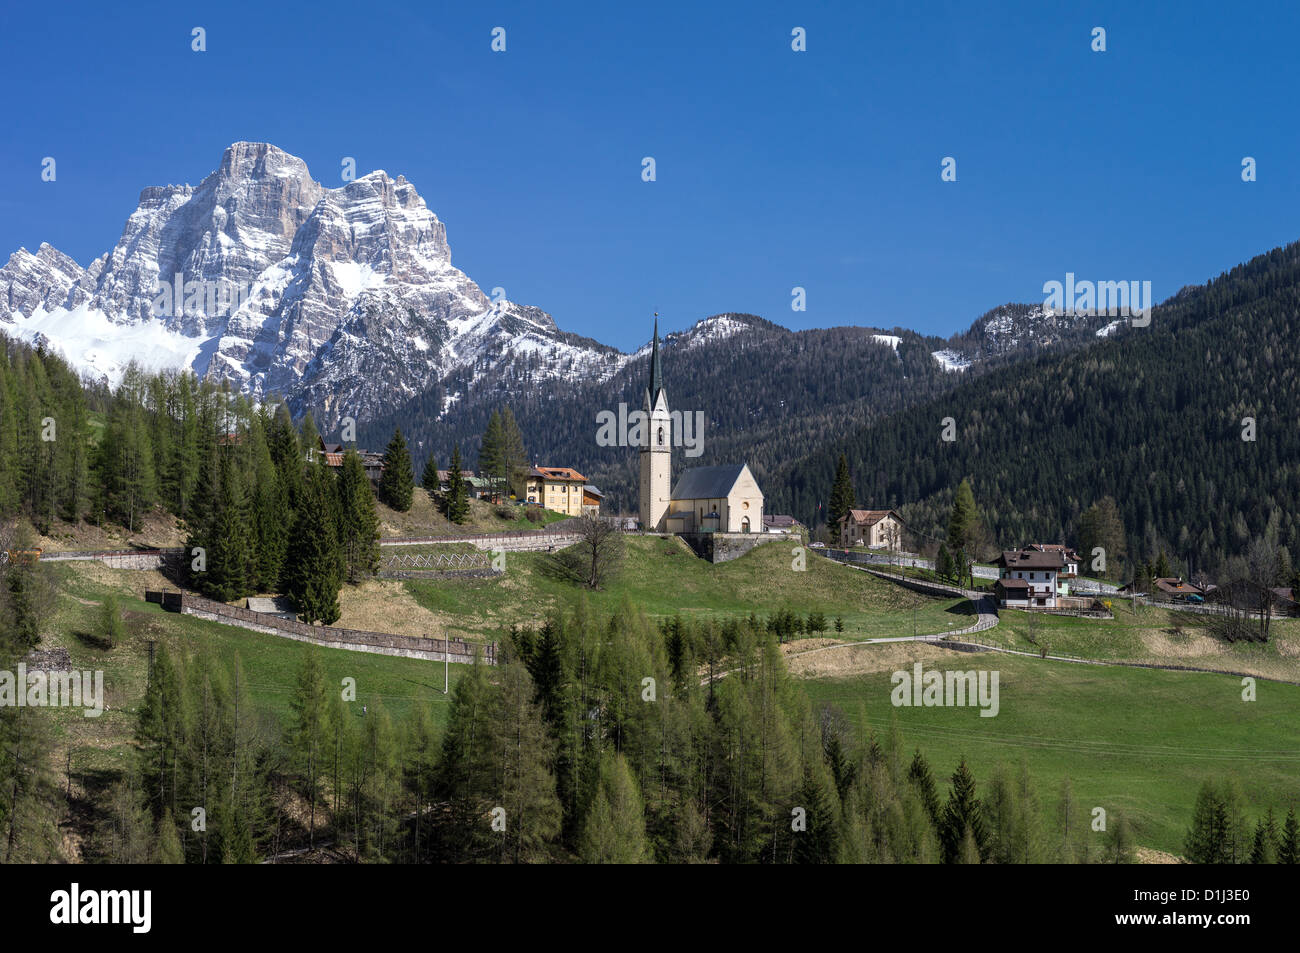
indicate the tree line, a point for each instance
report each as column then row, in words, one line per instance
column 596, row 739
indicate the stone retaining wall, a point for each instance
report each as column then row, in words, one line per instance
column 355, row 640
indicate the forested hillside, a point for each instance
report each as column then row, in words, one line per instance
column 1155, row 417
column 768, row 395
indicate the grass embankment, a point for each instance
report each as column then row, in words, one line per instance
column 270, row 663
column 664, row 578
column 1151, row 635
column 424, row 519
column 1138, row 741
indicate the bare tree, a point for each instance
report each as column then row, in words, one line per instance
column 597, row 557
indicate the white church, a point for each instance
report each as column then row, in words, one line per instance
column 720, row 499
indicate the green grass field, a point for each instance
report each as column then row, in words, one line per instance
column 270, row 664
column 663, row 578
column 1138, row 741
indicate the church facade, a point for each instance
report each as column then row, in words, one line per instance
column 718, row 499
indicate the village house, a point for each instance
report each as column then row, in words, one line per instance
column 780, row 523
column 444, row 478
column 1174, row 589
column 1028, row 579
column 332, row 455
column 591, row 500
column 874, row 529
column 556, row 488
column 1071, row 568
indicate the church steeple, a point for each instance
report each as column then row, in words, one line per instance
column 656, row 369
column 656, row 443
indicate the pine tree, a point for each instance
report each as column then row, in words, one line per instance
column 944, row 566
column 466, row 765
column 1289, row 845
column 524, row 752
column 962, row 816
column 167, row 844
column 308, row 437
column 1101, row 528
column 358, row 522
column 842, row 498
column 919, row 775
column 429, row 478
column 1163, row 571
column 310, row 728
column 1207, row 838
column 491, row 461
column 111, row 627
column 514, row 455
column 615, row 828
column 964, row 519
column 315, row 564
column 1263, row 848
column 231, row 554
column 397, row 484
column 457, row 491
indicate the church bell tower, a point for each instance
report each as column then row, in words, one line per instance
column 656, row 447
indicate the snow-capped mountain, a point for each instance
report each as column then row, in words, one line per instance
column 343, row 299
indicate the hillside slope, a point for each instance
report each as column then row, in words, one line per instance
column 1151, row 416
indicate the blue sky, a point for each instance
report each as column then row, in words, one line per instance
column 775, row 169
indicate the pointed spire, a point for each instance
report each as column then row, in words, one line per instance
column 656, row 370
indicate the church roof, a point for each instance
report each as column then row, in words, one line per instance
column 707, row 483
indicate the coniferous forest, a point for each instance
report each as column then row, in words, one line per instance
column 1190, row 425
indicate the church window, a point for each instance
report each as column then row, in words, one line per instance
column 661, row 436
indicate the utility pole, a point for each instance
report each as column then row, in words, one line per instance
column 446, row 664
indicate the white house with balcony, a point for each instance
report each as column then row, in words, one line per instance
column 1029, row 579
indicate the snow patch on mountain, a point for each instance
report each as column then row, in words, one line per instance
column 951, row 360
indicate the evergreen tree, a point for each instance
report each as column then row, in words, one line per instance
column 315, row 564
column 1163, row 570
column 615, row 828
column 397, row 484
column 1263, row 848
column 358, row 522
column 919, row 775
column 1288, row 851
column 842, row 498
column 514, row 455
column 963, row 817
column 1101, row 533
column 457, row 490
column 309, row 729
column 309, row 439
column 491, row 460
column 1207, row 840
column 112, row 630
column 429, row 478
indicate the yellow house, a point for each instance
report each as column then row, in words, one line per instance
column 556, row 488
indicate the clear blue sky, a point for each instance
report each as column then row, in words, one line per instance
column 775, row 168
